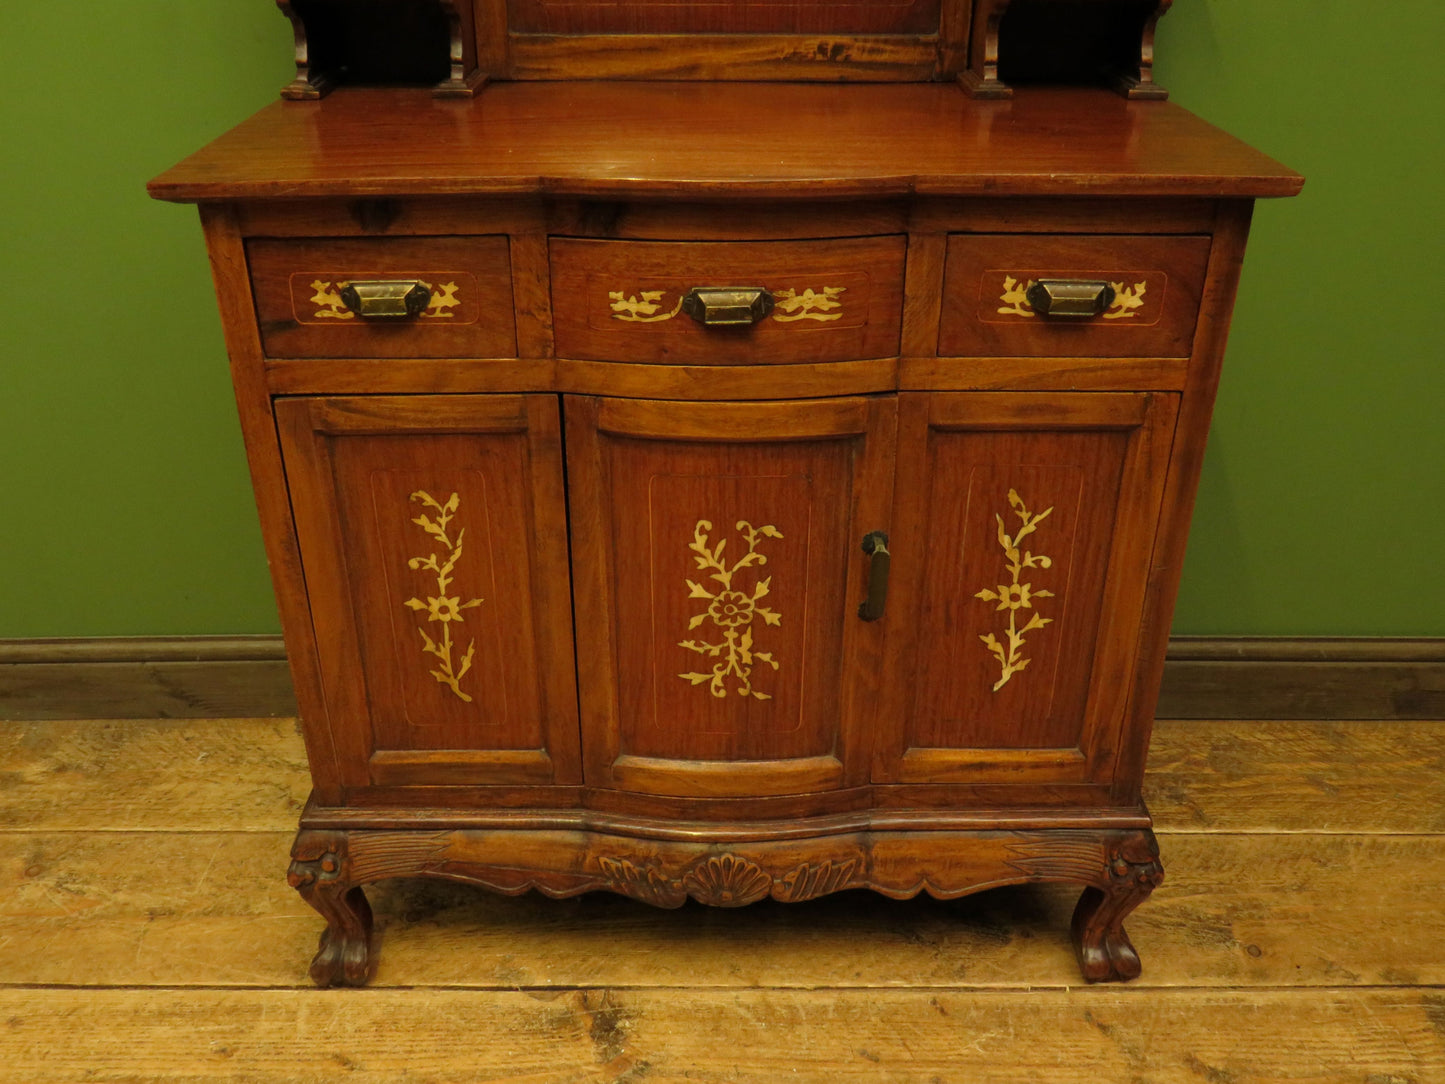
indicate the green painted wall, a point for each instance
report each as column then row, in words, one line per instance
column 124, row 503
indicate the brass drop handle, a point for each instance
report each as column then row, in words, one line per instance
column 875, row 545
column 1076, row 299
column 386, row 299
column 727, row 306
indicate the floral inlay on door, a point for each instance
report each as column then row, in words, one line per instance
column 732, row 609
column 443, row 608
column 1016, row 596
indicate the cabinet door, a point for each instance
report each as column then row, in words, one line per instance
column 1023, row 532
column 718, row 571
column 433, row 540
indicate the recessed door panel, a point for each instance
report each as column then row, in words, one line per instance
column 718, row 581
column 431, row 533
column 1024, row 531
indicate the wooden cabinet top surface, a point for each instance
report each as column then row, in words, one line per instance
column 629, row 139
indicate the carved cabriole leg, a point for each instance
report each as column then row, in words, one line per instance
column 320, row 871
column 1132, row 871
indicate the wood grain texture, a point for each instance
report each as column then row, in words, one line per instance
column 560, row 139
column 724, row 17
column 1222, row 776
column 1226, row 258
column 597, row 1034
column 982, row 314
column 226, row 246
column 200, row 908
column 379, row 481
column 1118, row 870
column 297, row 284
column 1208, row 677
column 724, row 57
column 972, row 471
column 595, row 282
column 656, row 488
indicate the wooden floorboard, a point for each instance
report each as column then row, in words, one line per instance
column 595, row 1034
column 202, row 908
column 147, row 934
column 250, row 775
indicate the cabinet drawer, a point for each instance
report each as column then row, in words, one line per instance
column 1156, row 283
column 834, row 300
column 299, row 286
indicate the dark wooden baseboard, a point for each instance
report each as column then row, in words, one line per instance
column 163, row 677
column 1267, row 677
column 1206, row 677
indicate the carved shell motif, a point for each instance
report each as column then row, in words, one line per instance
column 727, row 881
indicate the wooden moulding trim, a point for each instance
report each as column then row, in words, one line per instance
column 1375, row 649
column 587, row 820
column 485, row 767
column 143, row 649
column 740, row 57
column 730, row 778
column 1206, row 677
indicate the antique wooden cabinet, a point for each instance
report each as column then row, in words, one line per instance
column 690, row 486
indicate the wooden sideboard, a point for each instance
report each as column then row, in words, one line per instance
column 726, row 490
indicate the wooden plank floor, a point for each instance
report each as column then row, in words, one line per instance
column 147, row 934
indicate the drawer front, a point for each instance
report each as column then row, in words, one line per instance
column 835, row 300
column 1156, row 283
column 299, row 287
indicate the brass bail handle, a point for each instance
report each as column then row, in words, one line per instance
column 875, row 545
column 1076, row 299
column 386, row 298
column 727, row 306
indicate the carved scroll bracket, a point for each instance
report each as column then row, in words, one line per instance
column 1136, row 81
column 313, row 81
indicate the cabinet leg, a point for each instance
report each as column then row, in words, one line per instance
column 1132, row 871
column 319, row 871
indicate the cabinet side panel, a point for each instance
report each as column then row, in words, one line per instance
column 268, row 479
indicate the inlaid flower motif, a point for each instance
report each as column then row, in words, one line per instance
column 727, row 880
column 1016, row 596
column 731, row 610
column 444, row 609
column 442, row 606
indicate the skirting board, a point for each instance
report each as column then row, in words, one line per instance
column 1206, row 677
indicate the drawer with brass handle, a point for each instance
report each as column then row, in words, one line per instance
column 1071, row 296
column 727, row 303
column 402, row 297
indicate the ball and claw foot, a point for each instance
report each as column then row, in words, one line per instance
column 318, row 869
column 1132, row 871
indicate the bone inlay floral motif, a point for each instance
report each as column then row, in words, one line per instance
column 1016, row 300
column 442, row 607
column 732, row 609
column 648, row 307
column 331, row 307
column 808, row 305
column 642, row 308
column 1016, row 596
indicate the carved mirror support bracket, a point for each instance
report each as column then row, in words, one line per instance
column 1134, row 80
column 317, row 77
